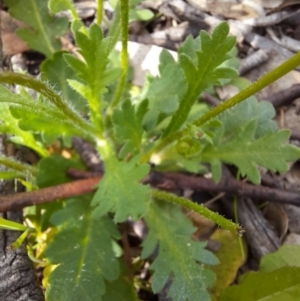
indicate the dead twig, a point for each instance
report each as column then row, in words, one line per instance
column 260, row 235
column 18, row 201
column 232, row 187
column 88, row 155
column 295, row 134
column 255, row 59
column 285, row 97
column 180, row 181
column 210, row 100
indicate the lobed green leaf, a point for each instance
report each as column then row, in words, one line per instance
column 128, row 127
column 247, row 152
column 202, row 71
column 33, row 120
column 56, row 71
column 251, row 109
column 61, row 5
column 84, row 251
column 120, row 191
column 63, row 108
column 178, row 254
column 164, row 93
column 94, row 72
column 9, row 125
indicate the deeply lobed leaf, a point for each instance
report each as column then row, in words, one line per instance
column 58, row 6
column 251, row 109
column 56, row 71
column 9, row 125
column 83, row 249
column 128, row 127
column 247, row 152
column 177, row 255
column 34, row 120
column 93, row 72
column 164, row 92
column 120, row 191
column 201, row 70
column 30, row 114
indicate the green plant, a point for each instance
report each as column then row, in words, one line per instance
column 166, row 125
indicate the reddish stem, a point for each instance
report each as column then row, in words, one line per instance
column 17, row 201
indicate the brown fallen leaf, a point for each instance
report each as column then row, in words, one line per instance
column 12, row 44
column 276, row 216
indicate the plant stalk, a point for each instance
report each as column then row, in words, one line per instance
column 99, row 13
column 124, row 54
column 202, row 210
column 52, row 96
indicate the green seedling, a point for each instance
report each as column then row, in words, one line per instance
column 86, row 94
column 13, row 226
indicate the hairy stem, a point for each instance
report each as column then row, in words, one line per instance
column 124, row 54
column 202, row 210
column 20, row 200
column 16, row 165
column 255, row 87
column 51, row 95
column 99, row 12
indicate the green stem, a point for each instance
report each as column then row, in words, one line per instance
column 124, row 54
column 255, row 87
column 114, row 28
column 12, row 174
column 16, row 165
column 99, row 12
column 240, row 239
column 236, row 219
column 202, row 210
column 16, row 244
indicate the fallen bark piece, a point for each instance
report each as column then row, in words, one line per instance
column 260, row 235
